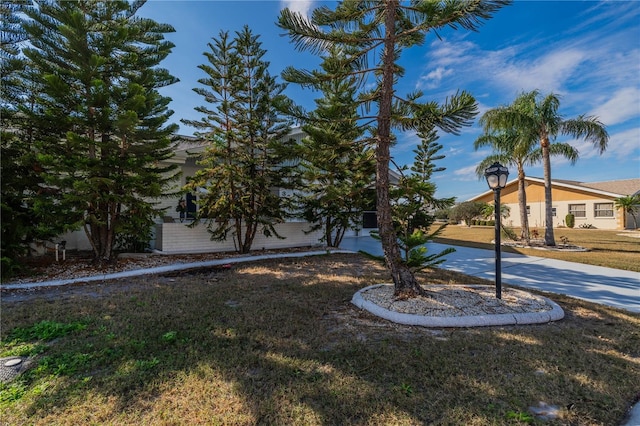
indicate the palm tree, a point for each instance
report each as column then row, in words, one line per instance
column 516, row 150
column 538, row 117
column 630, row 205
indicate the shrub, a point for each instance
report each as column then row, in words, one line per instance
column 570, row 220
column 509, row 233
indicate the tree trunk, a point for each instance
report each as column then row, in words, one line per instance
column 522, row 200
column 327, row 232
column 404, row 281
column 549, row 239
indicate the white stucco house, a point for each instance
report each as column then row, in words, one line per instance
column 173, row 235
column 591, row 203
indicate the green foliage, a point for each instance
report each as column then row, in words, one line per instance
column 519, row 416
column 374, row 34
column 630, row 204
column 170, row 337
column 570, row 220
column 98, row 119
column 45, row 331
column 413, row 201
column 135, row 230
column 337, row 167
column 488, row 211
column 467, row 210
column 442, row 214
column 533, row 117
column 25, row 207
column 509, row 233
column 247, row 156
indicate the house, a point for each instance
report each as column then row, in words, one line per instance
column 591, row 203
column 173, row 235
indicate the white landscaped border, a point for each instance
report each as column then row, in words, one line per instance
column 556, row 313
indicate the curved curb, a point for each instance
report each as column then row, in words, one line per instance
column 556, row 313
column 165, row 268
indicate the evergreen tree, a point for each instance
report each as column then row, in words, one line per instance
column 100, row 122
column 337, row 167
column 368, row 28
column 246, row 158
column 413, row 202
column 12, row 36
column 20, row 182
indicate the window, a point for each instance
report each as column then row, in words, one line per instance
column 528, row 210
column 553, row 211
column 603, row 210
column 578, row 210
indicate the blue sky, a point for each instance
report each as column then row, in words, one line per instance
column 588, row 52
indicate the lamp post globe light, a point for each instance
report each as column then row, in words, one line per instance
column 496, row 176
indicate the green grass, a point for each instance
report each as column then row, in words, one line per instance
column 613, row 249
column 278, row 343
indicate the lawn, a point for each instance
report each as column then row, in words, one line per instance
column 613, row 249
column 279, row 343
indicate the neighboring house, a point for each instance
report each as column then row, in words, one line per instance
column 591, row 203
column 173, row 234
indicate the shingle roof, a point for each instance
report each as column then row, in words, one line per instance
column 622, row 187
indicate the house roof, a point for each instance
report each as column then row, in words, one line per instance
column 611, row 188
column 622, row 186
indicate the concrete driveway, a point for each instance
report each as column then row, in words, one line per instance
column 607, row 286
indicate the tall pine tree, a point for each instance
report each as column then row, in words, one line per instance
column 245, row 159
column 100, row 119
column 376, row 33
column 338, row 167
column 19, row 181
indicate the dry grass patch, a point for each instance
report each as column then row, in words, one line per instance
column 278, row 342
column 613, row 249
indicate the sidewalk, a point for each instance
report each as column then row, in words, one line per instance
column 607, row 286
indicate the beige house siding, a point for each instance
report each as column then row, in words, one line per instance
column 564, row 195
column 175, row 238
column 171, row 236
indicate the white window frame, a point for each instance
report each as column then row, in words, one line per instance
column 599, row 208
column 573, row 210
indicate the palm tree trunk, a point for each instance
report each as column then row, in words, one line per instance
column 522, row 201
column 549, row 239
column 404, row 281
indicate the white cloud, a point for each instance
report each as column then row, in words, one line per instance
column 623, row 105
column 301, row 6
column 466, row 173
column 624, row 144
column 548, row 73
column 433, row 78
column 621, row 145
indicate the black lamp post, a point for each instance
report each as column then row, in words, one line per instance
column 497, row 179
